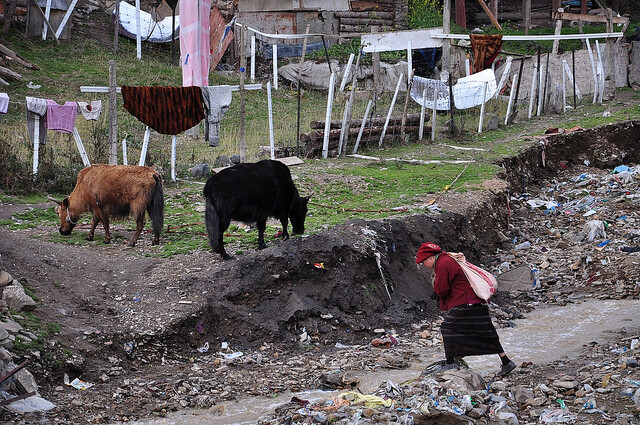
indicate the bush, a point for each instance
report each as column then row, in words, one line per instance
column 425, row 14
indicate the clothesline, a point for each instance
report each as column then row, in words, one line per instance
column 102, row 89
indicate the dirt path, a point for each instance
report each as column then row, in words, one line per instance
column 150, row 333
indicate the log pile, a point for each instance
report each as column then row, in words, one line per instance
column 313, row 140
column 8, row 56
column 364, row 14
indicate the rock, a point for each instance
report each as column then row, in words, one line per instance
column 200, row 170
column 5, row 278
column 11, row 326
column 464, row 378
column 523, row 393
column 25, row 382
column 5, row 356
column 17, row 299
column 566, row 385
column 3, row 333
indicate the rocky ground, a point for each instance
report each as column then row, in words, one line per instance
column 153, row 336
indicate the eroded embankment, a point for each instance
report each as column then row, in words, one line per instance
column 362, row 275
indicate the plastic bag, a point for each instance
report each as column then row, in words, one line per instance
column 482, row 282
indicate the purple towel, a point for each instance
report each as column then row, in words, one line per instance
column 61, row 118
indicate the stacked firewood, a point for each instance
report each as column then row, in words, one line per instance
column 364, row 14
column 313, row 141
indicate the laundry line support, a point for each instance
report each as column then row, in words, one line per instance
column 393, row 103
column 270, row 107
column 433, row 114
column 36, row 143
column 80, row 146
column 364, row 122
column 422, row 108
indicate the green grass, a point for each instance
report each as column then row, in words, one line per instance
column 30, row 219
column 377, row 189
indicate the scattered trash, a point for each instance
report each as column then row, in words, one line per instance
column 204, row 348
column 31, row 85
column 77, row 383
column 129, row 348
column 235, row 355
column 320, row 266
column 594, row 229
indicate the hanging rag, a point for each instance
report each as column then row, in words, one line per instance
column 91, row 111
column 470, row 91
column 61, row 118
column 425, row 60
column 194, row 42
column 4, row 103
column 168, row 110
column 216, row 102
column 37, row 107
column 485, row 48
column 420, row 84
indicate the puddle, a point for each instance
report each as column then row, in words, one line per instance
column 546, row 335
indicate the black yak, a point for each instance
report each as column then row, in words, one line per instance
column 252, row 193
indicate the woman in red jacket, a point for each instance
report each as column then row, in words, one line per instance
column 467, row 329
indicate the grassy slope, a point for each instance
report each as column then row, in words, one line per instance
column 372, row 188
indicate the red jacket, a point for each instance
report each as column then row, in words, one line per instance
column 451, row 285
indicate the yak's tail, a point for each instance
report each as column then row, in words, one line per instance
column 212, row 221
column 156, row 209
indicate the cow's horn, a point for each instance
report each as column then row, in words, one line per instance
column 310, row 195
column 53, row 199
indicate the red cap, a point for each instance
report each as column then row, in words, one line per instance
column 427, row 250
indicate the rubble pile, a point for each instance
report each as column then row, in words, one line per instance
column 578, row 237
column 18, row 387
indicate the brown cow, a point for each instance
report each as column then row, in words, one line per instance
column 114, row 191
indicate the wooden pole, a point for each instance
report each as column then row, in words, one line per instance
column 484, row 97
column 304, row 51
column 532, row 95
column 113, row 115
column 493, row 19
column 461, row 15
column 36, row 142
column 406, row 106
column 513, row 85
column 243, row 64
column 138, row 40
column 526, row 15
column 274, row 58
column 375, row 60
column 270, row 108
column 393, row 102
column 433, row 113
column 346, row 73
column 573, row 60
column 327, row 120
column 352, row 95
column 116, row 28
column 564, row 92
column 364, row 123
column 446, row 29
column 422, row 108
column 253, row 58
column 174, row 143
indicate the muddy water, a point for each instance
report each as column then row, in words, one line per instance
column 546, row 335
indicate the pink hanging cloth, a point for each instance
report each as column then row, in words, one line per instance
column 194, row 42
column 61, row 118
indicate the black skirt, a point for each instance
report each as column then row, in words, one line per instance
column 467, row 331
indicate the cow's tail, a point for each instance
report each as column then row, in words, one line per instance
column 156, row 210
column 212, row 221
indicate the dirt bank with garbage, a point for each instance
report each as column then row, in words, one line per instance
column 150, row 336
